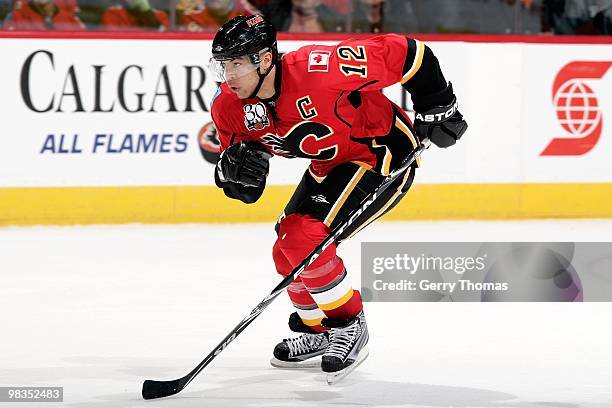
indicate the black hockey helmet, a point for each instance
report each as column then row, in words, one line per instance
column 244, row 35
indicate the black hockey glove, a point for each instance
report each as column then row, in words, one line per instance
column 438, row 119
column 246, row 164
column 443, row 125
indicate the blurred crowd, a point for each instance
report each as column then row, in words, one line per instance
column 573, row 17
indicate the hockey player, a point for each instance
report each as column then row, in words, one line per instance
column 323, row 103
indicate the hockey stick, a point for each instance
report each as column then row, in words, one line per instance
column 157, row 389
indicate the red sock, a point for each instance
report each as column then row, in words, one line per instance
column 326, row 279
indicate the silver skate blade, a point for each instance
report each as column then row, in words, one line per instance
column 314, row 362
column 334, row 378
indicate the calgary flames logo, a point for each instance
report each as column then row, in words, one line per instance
column 309, row 140
column 577, row 108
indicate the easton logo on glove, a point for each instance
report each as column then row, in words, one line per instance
column 438, row 114
column 443, row 125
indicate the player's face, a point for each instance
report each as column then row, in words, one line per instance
column 241, row 76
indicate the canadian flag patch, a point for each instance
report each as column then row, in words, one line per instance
column 318, row 61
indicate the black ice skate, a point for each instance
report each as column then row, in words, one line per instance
column 301, row 351
column 347, row 341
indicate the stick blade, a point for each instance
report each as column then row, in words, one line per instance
column 158, row 389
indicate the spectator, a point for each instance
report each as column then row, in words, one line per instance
column 603, row 17
column 390, row 16
column 43, row 15
column 305, row 17
column 368, row 16
column 209, row 15
column 526, row 15
column 134, row 15
column 569, row 16
column 72, row 4
column 528, row 4
column 309, row 16
column 90, row 11
column 476, row 16
column 5, row 8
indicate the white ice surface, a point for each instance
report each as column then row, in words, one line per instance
column 99, row 309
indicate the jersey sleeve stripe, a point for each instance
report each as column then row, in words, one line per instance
column 419, row 50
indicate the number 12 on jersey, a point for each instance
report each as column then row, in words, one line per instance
column 354, row 55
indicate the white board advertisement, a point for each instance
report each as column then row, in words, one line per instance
column 101, row 112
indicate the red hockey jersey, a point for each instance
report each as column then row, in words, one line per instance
column 312, row 116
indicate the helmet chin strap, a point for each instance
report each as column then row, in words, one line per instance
column 262, row 77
